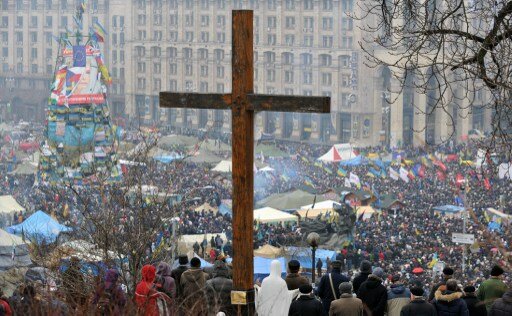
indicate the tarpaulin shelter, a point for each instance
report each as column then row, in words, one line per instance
column 339, row 152
column 448, row 210
column 356, row 161
column 39, row 227
column 290, row 200
column 269, row 251
column 8, row 206
column 262, row 267
column 271, row 215
column 304, row 255
column 320, row 208
column 225, row 209
column 14, row 251
column 366, row 211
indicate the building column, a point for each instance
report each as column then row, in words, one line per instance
column 397, row 113
column 419, row 120
column 379, row 132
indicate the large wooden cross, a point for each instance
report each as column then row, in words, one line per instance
column 243, row 104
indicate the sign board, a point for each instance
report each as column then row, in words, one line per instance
column 439, row 267
column 463, row 238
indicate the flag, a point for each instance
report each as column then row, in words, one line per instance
column 459, row 180
column 79, row 56
column 441, row 165
column 327, row 170
column 360, row 218
column 355, row 180
column 304, row 159
column 374, row 172
column 99, row 31
column 411, row 175
column 78, row 22
column 416, row 169
column 308, row 182
column 369, row 174
column 404, row 175
column 285, row 178
column 383, row 174
column 342, row 172
column 421, row 172
column 487, row 184
column 440, row 175
column 347, row 183
column 393, row 174
column 425, row 162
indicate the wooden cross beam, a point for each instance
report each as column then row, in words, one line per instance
column 243, row 104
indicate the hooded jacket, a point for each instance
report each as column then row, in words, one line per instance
column 115, row 293
column 295, row 280
column 475, row 306
column 325, row 289
column 145, row 292
column 449, row 303
column 176, row 275
column 306, row 305
column 164, row 280
column 374, row 295
column 218, row 290
column 359, row 279
column 398, row 297
column 503, row 305
column 193, row 282
column 418, row 307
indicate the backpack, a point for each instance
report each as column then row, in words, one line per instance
column 104, row 304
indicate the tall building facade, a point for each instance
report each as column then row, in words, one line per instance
column 302, row 47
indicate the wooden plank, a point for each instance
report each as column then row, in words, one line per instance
column 287, row 103
column 195, row 100
column 243, row 151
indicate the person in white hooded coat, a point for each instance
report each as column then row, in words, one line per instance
column 273, row 297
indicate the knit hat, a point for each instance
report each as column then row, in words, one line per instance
column 469, row 289
column 336, row 264
column 365, row 267
column 395, row 278
column 345, row 287
column 378, row 272
column 417, row 291
column 497, row 271
column 305, row 289
column 448, row 271
column 183, row 260
column 294, row 265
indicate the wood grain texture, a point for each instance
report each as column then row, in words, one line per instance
column 195, row 100
column 286, row 103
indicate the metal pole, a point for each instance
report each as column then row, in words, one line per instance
column 464, row 220
column 313, row 267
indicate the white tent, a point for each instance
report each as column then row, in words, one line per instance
column 329, row 204
column 338, row 153
column 223, row 166
column 271, row 215
column 321, row 208
column 9, row 245
column 367, row 212
column 8, row 206
column 266, row 169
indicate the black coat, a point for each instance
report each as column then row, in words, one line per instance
column 374, row 296
column 218, row 294
column 502, row 306
column 359, row 279
column 176, row 275
column 449, row 303
column 418, row 307
column 475, row 307
column 324, row 288
column 306, row 306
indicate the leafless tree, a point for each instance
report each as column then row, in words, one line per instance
column 452, row 51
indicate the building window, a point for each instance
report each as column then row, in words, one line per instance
column 327, row 24
column 327, row 41
column 205, row 4
column 325, row 60
column 173, row 69
column 221, row 4
column 271, row 75
column 63, row 21
column 157, row 85
column 33, row 37
column 271, row 4
column 327, row 5
column 287, row 58
column 347, row 5
column 220, row 88
column 203, row 87
column 347, row 24
column 203, row 54
column 33, row 4
column 5, row 37
column 33, row 21
column 289, row 39
column 33, row 68
column 290, row 22
column 173, row 36
column 173, row 4
column 204, row 71
column 48, row 21
column 271, row 22
column 5, row 52
column 19, row 52
column 288, row 76
column 306, row 59
column 345, row 80
column 173, row 85
column 221, row 37
column 205, row 36
column 205, row 20
column 189, row 20
column 309, row 23
column 157, row 68
column 5, row 21
column 271, row 39
column 189, row 86
column 308, row 5
column 187, row 53
column 141, row 67
column 220, row 71
column 141, row 83
column 221, row 20
column 307, row 77
column 219, row 54
column 189, row 36
column 173, row 19
column 288, row 91
column 290, row 4
column 172, row 52
column 308, row 40
column 345, row 100
column 19, row 21
column 326, row 79
column 344, row 61
column 189, row 70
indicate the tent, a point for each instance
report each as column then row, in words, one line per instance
column 203, row 156
column 12, row 244
column 186, row 242
column 448, row 210
column 206, row 207
column 321, row 208
column 338, row 153
column 225, row 209
column 223, row 166
column 266, row 169
column 83, row 250
column 271, row 215
column 290, row 200
column 262, row 267
column 367, row 212
column 269, row 252
column 8, row 206
column 304, row 255
column 356, row 161
column 39, row 227
column 493, row 215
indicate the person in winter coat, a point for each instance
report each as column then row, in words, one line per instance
column 319, row 265
column 492, row 288
column 74, row 284
column 176, row 275
column 502, row 306
column 293, row 279
column 195, row 247
column 146, row 294
column 5, row 308
column 373, row 294
column 398, row 296
column 449, row 302
column 418, row 305
column 447, row 274
column 109, row 297
column 306, row 304
column 365, row 269
column 475, row 307
column 193, row 282
column 164, row 281
column 218, row 290
column 347, row 304
column 328, row 293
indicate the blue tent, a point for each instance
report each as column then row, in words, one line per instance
column 224, row 209
column 262, row 267
column 168, row 158
column 448, row 209
column 359, row 160
column 303, row 255
column 39, row 227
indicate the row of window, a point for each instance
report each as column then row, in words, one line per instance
column 48, row 21
column 48, row 4
column 325, row 5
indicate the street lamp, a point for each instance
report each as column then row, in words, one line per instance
column 313, row 239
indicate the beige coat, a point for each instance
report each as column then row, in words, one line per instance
column 346, row 305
